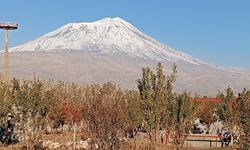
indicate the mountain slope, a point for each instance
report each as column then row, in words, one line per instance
column 109, row 35
column 113, row 49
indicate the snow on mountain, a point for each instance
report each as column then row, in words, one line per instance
column 109, row 35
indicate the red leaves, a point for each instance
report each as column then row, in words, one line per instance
column 70, row 112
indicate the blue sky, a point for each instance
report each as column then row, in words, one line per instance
column 217, row 31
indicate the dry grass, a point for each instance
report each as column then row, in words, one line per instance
column 141, row 142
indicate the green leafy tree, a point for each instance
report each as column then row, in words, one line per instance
column 155, row 95
column 243, row 107
column 225, row 109
column 5, row 109
column 146, row 86
column 184, row 115
column 133, row 111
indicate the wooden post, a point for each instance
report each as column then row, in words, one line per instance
column 166, row 136
column 6, row 57
column 7, row 27
column 74, row 137
column 232, row 140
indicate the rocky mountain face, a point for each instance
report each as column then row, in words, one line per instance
column 113, row 49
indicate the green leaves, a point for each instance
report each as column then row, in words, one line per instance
column 161, row 107
column 243, row 107
column 156, row 97
column 225, row 111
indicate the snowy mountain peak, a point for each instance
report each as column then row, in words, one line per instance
column 115, row 19
column 108, row 35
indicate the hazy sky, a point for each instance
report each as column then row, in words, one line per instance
column 217, row 31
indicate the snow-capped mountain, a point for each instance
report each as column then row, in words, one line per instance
column 113, row 49
column 109, row 35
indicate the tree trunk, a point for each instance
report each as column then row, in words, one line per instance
column 74, row 136
column 208, row 128
column 155, row 135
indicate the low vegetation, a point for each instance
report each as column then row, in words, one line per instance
column 108, row 116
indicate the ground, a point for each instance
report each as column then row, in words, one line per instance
column 140, row 142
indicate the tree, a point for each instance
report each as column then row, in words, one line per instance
column 225, row 109
column 155, row 94
column 171, row 101
column 227, row 114
column 183, row 117
column 243, row 107
column 5, row 109
column 106, row 115
column 146, row 86
column 133, row 112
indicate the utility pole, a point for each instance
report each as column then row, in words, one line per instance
column 7, row 27
column 6, row 56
